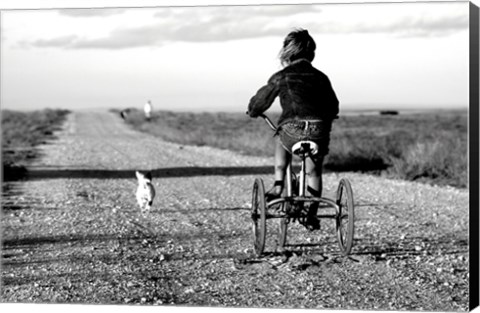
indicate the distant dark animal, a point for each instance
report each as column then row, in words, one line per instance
column 124, row 113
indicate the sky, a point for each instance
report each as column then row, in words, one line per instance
column 411, row 55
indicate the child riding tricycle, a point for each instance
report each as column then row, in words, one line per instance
column 309, row 107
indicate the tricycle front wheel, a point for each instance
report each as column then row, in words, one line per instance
column 345, row 216
column 259, row 215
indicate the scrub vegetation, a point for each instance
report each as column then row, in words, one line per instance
column 22, row 132
column 429, row 147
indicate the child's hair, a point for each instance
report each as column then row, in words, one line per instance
column 297, row 45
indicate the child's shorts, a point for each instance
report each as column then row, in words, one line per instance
column 294, row 131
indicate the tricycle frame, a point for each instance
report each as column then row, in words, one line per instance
column 291, row 206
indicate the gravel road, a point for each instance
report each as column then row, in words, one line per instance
column 72, row 232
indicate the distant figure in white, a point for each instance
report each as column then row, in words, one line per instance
column 148, row 110
column 145, row 191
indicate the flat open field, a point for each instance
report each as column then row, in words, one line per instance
column 72, row 232
column 425, row 146
column 22, row 132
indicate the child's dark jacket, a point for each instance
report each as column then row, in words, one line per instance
column 304, row 91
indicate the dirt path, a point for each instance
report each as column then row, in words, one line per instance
column 72, row 232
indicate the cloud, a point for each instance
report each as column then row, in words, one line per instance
column 187, row 24
column 407, row 26
column 90, row 12
column 61, row 42
column 226, row 23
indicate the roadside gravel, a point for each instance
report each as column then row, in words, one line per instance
column 72, row 232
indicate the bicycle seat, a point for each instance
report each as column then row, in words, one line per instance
column 305, row 147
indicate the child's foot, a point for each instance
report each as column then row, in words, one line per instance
column 275, row 192
column 312, row 223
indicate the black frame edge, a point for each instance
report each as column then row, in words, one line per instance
column 474, row 156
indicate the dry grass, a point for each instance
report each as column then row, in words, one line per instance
column 21, row 132
column 428, row 147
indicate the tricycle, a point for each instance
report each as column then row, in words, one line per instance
column 293, row 204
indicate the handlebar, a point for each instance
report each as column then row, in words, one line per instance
column 268, row 121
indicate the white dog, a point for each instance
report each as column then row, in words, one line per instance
column 145, row 191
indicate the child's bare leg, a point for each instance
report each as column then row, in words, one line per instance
column 314, row 176
column 314, row 189
column 282, row 157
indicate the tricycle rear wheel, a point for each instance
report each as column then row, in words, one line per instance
column 345, row 216
column 259, row 216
